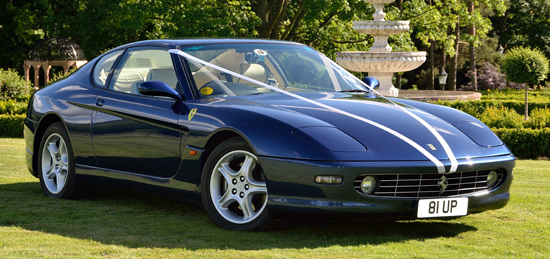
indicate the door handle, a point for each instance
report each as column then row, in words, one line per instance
column 100, row 102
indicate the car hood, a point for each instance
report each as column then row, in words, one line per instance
column 383, row 123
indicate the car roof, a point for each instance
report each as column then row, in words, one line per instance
column 174, row 43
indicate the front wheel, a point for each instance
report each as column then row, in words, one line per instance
column 234, row 192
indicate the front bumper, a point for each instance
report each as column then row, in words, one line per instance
column 294, row 195
column 29, row 130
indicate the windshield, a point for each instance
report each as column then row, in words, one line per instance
column 249, row 67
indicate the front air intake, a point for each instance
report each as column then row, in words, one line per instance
column 431, row 185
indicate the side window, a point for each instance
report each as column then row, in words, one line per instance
column 143, row 64
column 103, row 67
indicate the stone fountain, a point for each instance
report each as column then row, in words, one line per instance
column 379, row 61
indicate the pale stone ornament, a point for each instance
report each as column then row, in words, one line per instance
column 379, row 61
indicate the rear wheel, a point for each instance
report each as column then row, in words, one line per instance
column 56, row 165
column 234, row 191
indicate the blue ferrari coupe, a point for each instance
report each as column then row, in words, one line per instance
column 259, row 131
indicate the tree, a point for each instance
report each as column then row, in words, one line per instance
column 321, row 24
column 469, row 16
column 120, row 22
column 272, row 13
column 526, row 23
column 436, row 22
column 525, row 65
column 99, row 25
column 473, row 68
column 20, row 28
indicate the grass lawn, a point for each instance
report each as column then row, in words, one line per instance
column 128, row 225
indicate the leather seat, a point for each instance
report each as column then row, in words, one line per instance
column 254, row 71
column 167, row 75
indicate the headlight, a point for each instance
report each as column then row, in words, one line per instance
column 329, row 139
column 491, row 179
column 328, row 179
column 368, row 184
column 479, row 133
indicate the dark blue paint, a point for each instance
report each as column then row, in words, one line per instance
column 138, row 134
column 479, row 133
column 329, row 139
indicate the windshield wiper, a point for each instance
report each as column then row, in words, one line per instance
column 354, row 91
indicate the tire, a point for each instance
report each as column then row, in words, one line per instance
column 56, row 166
column 234, row 192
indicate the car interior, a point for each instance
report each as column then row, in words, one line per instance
column 242, row 63
column 144, row 65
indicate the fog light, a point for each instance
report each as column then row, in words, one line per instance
column 491, row 179
column 368, row 185
column 328, row 179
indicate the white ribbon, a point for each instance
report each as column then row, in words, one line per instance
column 438, row 164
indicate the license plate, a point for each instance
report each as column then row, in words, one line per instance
column 431, row 208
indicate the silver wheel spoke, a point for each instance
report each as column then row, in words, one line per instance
column 53, row 175
column 50, row 173
column 246, row 168
column 64, row 165
column 227, row 172
column 63, row 153
column 61, row 177
column 52, row 148
column 257, row 189
column 226, row 199
column 246, row 207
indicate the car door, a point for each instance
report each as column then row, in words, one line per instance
column 133, row 132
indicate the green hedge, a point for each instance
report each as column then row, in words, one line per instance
column 12, row 115
column 13, row 86
column 526, row 143
column 11, row 126
column 476, row 108
column 515, row 95
column 12, row 106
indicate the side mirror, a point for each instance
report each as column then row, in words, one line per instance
column 158, row 88
column 372, row 82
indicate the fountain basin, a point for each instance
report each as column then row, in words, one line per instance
column 379, row 1
column 381, row 27
column 361, row 61
column 434, row 95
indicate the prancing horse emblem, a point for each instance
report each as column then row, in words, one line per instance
column 442, row 184
column 192, row 113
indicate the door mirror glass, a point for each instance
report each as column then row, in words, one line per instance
column 158, row 88
column 372, row 82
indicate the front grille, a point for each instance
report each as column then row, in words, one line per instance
column 426, row 185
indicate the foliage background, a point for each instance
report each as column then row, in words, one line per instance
column 99, row 25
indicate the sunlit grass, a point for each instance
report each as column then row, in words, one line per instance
column 127, row 225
